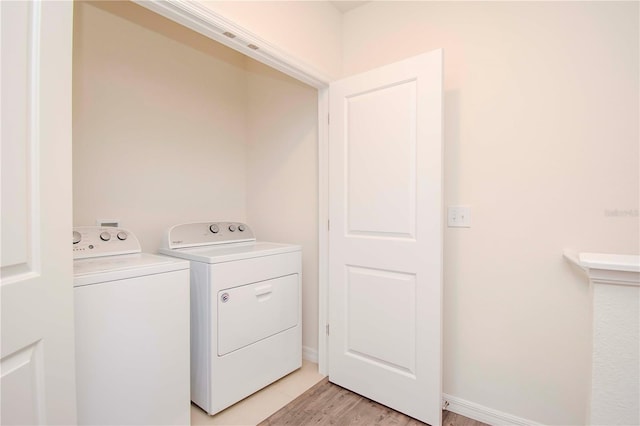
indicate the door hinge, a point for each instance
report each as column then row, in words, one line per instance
column 327, row 329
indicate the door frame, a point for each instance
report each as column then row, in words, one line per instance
column 213, row 25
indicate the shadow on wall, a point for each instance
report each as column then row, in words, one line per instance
column 146, row 19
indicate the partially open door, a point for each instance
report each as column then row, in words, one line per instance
column 37, row 361
column 385, row 238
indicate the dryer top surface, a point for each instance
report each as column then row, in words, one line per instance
column 231, row 252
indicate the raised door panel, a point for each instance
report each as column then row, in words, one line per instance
column 381, row 176
column 18, row 174
column 22, row 385
column 381, row 315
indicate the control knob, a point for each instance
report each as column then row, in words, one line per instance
column 232, row 227
column 105, row 236
column 76, row 237
column 122, row 235
column 241, row 228
column 214, row 228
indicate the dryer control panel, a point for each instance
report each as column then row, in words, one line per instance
column 97, row 241
column 207, row 233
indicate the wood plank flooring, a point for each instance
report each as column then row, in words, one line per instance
column 329, row 404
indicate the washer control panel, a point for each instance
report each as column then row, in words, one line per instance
column 97, row 241
column 207, row 233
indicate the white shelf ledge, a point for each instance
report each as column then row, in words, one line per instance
column 613, row 262
column 602, row 268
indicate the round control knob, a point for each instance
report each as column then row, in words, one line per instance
column 105, row 236
column 214, row 228
column 232, row 227
column 122, row 235
column 241, row 228
column 76, row 237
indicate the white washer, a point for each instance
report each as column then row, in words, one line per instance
column 245, row 310
column 132, row 331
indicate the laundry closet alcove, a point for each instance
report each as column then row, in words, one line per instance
column 171, row 127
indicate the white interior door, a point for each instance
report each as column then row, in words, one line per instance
column 385, row 238
column 37, row 356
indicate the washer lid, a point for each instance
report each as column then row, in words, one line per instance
column 109, row 268
column 231, row 252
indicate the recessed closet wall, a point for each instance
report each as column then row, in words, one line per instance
column 170, row 126
column 282, row 174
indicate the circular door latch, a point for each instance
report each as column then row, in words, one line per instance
column 224, row 297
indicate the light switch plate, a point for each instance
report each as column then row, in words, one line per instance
column 459, row 217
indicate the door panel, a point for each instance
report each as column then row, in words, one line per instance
column 15, row 87
column 391, row 195
column 385, row 260
column 37, row 359
column 383, row 302
column 22, row 396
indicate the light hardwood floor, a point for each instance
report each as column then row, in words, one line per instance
column 288, row 395
column 326, row 404
column 453, row 419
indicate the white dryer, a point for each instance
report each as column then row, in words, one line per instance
column 132, row 331
column 245, row 310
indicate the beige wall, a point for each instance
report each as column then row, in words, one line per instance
column 159, row 123
column 541, row 140
column 309, row 31
column 282, row 174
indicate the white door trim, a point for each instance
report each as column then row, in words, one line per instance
column 214, row 26
column 323, row 230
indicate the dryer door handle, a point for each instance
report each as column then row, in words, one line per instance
column 263, row 292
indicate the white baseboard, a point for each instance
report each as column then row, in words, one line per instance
column 310, row 354
column 483, row 414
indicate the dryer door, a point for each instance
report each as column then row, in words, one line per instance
column 253, row 312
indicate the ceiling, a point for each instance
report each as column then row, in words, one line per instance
column 345, row 6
